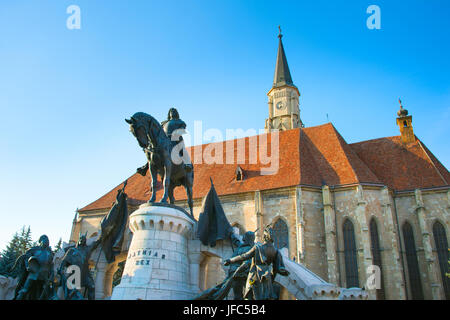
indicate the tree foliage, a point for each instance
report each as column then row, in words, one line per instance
column 19, row 244
column 58, row 245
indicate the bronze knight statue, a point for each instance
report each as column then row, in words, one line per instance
column 165, row 153
column 266, row 263
column 36, row 272
column 79, row 256
column 240, row 277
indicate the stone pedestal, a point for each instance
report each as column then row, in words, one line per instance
column 157, row 266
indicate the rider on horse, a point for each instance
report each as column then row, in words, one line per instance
column 174, row 127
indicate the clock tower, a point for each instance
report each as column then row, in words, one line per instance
column 284, row 111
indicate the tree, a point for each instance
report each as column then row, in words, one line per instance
column 58, row 246
column 9, row 255
column 18, row 245
column 25, row 241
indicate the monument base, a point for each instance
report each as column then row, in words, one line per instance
column 157, row 266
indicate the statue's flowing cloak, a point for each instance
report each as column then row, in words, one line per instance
column 213, row 224
column 113, row 227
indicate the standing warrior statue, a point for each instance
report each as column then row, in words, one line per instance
column 36, row 274
column 266, row 263
column 79, row 256
column 240, row 277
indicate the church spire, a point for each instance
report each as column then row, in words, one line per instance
column 284, row 110
column 282, row 74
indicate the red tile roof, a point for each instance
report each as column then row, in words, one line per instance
column 400, row 166
column 310, row 156
column 338, row 164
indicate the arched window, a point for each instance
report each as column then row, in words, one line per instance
column 280, row 234
column 350, row 255
column 412, row 262
column 440, row 239
column 376, row 255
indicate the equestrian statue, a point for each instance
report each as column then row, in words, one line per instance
column 164, row 147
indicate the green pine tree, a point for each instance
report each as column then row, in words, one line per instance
column 9, row 256
column 58, row 246
column 26, row 242
column 18, row 245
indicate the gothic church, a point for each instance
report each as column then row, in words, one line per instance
column 338, row 208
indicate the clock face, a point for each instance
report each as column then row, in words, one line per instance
column 280, row 105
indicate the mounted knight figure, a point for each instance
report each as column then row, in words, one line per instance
column 166, row 154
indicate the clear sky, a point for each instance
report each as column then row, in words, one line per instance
column 64, row 93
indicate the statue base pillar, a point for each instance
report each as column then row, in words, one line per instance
column 157, row 266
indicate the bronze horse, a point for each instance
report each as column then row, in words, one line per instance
column 158, row 149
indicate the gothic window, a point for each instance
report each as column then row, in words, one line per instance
column 280, row 234
column 440, row 239
column 350, row 255
column 412, row 262
column 376, row 255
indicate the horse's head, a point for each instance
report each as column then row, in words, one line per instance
column 139, row 127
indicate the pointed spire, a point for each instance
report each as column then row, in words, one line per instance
column 402, row 112
column 282, row 75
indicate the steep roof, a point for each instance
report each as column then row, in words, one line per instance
column 400, row 166
column 223, row 175
column 337, row 162
column 310, row 156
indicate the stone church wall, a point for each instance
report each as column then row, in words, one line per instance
column 435, row 206
column 303, row 210
column 314, row 251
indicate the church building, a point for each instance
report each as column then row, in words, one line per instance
column 343, row 210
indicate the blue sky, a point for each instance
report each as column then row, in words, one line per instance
column 64, row 93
